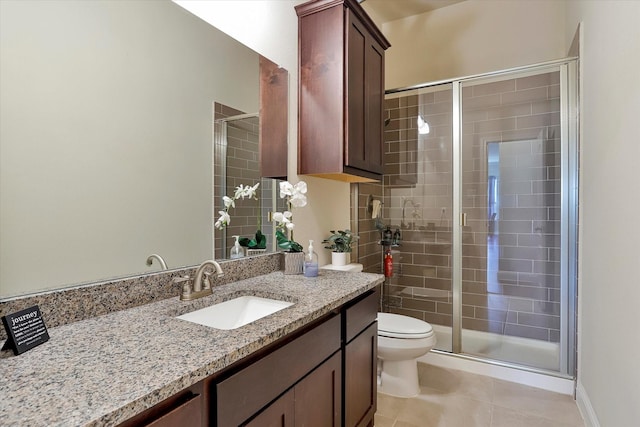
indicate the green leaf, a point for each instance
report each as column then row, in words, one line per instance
column 260, row 242
column 286, row 244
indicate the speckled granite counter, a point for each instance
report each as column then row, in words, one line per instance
column 103, row 370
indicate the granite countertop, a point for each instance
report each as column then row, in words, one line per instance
column 104, row 370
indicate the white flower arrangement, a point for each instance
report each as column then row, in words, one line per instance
column 241, row 192
column 296, row 197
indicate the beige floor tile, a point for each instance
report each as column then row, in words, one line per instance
column 382, row 421
column 450, row 398
column 406, row 424
column 503, row 417
column 451, row 381
column 389, row 406
column 534, row 401
column 435, row 409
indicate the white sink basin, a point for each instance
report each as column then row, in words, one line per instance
column 236, row 312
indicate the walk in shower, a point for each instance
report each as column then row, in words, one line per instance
column 481, row 181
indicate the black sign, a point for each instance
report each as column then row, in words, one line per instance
column 25, row 330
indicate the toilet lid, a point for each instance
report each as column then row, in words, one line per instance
column 398, row 326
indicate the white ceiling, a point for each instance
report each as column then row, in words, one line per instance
column 390, row 10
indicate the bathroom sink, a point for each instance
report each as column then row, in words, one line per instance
column 236, row 312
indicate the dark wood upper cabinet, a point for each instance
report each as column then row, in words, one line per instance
column 274, row 103
column 341, row 91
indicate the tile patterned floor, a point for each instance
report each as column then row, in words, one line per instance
column 458, row 399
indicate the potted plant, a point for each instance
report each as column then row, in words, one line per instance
column 340, row 244
column 256, row 245
column 295, row 195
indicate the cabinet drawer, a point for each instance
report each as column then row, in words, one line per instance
column 182, row 409
column 361, row 314
column 246, row 392
column 187, row 414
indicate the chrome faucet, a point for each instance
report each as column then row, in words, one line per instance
column 201, row 284
column 160, row 260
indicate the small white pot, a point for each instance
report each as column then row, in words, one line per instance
column 340, row 258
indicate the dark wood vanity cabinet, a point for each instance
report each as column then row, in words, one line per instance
column 361, row 361
column 321, row 375
column 305, row 366
column 324, row 377
column 341, row 91
column 314, row 401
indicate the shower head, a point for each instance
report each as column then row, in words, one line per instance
column 387, row 121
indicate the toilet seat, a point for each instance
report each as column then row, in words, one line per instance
column 398, row 326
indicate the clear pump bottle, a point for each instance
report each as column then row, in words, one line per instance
column 310, row 262
column 236, row 250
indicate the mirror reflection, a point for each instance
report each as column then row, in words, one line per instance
column 236, row 163
column 106, row 140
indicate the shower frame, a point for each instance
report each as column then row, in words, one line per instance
column 567, row 69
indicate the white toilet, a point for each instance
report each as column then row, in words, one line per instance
column 401, row 340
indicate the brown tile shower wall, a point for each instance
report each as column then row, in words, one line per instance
column 417, row 187
column 369, row 251
column 522, row 295
column 418, row 176
column 519, row 293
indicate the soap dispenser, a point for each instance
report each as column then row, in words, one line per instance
column 236, row 250
column 387, row 236
column 397, row 237
column 310, row 262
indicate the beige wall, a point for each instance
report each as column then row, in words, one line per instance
column 472, row 37
column 609, row 292
column 271, row 29
column 105, row 132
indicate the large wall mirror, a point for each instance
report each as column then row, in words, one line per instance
column 107, row 123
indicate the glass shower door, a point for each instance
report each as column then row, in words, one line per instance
column 511, row 205
column 481, row 180
column 418, row 204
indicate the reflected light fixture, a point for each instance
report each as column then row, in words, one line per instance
column 423, row 127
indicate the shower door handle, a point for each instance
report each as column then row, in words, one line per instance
column 463, row 219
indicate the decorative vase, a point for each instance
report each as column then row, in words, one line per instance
column 293, row 262
column 340, row 258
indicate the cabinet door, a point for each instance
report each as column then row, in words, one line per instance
column 360, row 378
column 279, row 414
column 356, row 94
column 365, row 93
column 374, row 85
column 319, row 395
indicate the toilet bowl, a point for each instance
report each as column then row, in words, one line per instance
column 401, row 340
